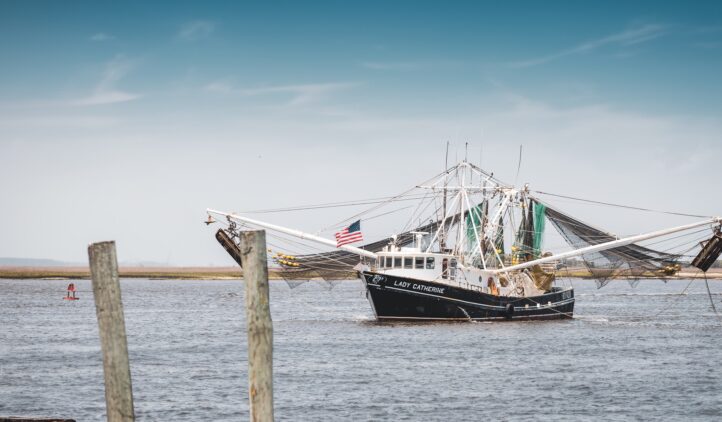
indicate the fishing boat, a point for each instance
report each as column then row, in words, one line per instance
column 476, row 252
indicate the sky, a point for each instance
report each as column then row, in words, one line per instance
column 126, row 120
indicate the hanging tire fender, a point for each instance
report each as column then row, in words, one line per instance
column 509, row 310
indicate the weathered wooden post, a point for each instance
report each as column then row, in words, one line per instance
column 259, row 325
column 111, row 326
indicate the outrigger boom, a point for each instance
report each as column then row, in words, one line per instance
column 609, row 245
column 296, row 233
column 590, row 249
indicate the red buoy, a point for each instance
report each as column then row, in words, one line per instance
column 71, row 289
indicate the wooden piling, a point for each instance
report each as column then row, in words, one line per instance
column 111, row 327
column 259, row 325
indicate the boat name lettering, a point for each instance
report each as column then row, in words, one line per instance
column 420, row 287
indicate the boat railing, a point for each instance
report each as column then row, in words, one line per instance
column 464, row 285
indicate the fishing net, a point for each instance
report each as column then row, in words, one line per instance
column 630, row 262
column 539, row 225
column 475, row 221
column 339, row 264
column 523, row 247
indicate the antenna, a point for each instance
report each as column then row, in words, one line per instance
column 466, row 152
column 446, row 163
column 442, row 232
column 518, row 167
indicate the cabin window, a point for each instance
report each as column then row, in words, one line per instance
column 382, row 262
column 445, row 268
column 419, row 262
column 452, row 270
column 430, row 263
column 409, row 262
column 397, row 262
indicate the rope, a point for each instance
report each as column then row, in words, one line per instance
column 677, row 298
column 379, row 200
column 406, row 194
column 622, row 206
column 711, row 301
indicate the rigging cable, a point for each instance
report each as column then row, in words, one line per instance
column 677, row 297
column 518, row 167
column 622, row 206
column 711, row 301
column 335, row 204
column 386, row 213
column 397, row 197
column 709, row 294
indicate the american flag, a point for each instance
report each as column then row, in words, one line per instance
column 350, row 234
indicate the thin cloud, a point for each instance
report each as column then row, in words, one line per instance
column 709, row 29
column 196, row 30
column 629, row 37
column 105, row 91
column 711, row 45
column 105, row 97
column 408, row 66
column 75, row 121
column 101, row 36
column 220, row 87
column 392, row 65
column 299, row 93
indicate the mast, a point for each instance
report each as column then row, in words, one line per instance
column 442, row 235
column 440, row 229
column 477, row 230
column 459, row 243
column 496, row 221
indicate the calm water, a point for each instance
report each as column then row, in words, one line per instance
column 645, row 353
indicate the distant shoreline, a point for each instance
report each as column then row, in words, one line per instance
column 234, row 273
column 156, row 273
